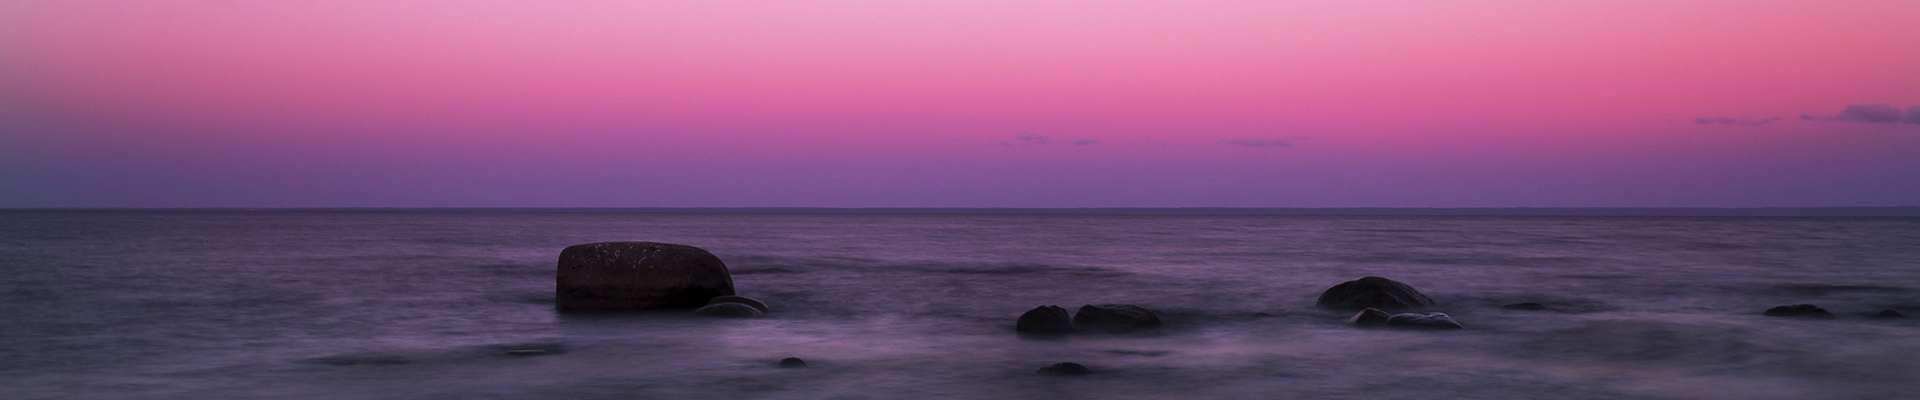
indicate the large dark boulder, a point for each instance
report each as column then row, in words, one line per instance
column 1799, row 310
column 1045, row 319
column 1372, row 292
column 638, row 276
column 1115, row 316
column 1423, row 321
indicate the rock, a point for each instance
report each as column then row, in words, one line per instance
column 1371, row 316
column 1423, row 321
column 1889, row 313
column 527, row 352
column 1372, row 292
column 1116, row 316
column 792, row 362
column 1525, row 306
column 638, row 276
column 756, row 304
column 1065, row 368
column 1045, row 319
column 1262, row 315
column 734, row 310
column 1799, row 310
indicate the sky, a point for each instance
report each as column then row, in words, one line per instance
column 480, row 103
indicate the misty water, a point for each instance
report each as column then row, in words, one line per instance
column 397, row 305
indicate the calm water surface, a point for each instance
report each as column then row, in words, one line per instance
column 391, row 305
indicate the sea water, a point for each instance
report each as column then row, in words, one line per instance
column 409, row 305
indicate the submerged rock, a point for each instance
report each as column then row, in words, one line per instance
column 1045, row 319
column 1423, row 321
column 1889, row 313
column 734, row 310
column 1372, row 292
column 1065, row 368
column 1525, row 306
column 1116, row 316
column 792, row 362
column 756, row 304
column 1799, row 310
column 638, row 276
column 527, row 352
column 1371, row 316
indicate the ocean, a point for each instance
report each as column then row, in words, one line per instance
column 420, row 305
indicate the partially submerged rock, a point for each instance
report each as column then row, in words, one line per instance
column 756, row 304
column 1525, row 307
column 1423, row 321
column 1065, row 368
column 734, row 310
column 1371, row 316
column 792, row 362
column 1045, row 319
column 1799, row 310
column 1889, row 313
column 638, row 276
column 1116, row 316
column 1372, row 292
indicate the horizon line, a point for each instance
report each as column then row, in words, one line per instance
column 1841, row 211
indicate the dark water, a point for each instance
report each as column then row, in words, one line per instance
column 210, row 305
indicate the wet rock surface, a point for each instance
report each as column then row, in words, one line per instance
column 756, row 304
column 731, row 310
column 1065, row 368
column 1423, row 321
column 1045, row 319
column 1369, row 317
column 638, row 276
column 792, row 362
column 1372, row 292
column 1799, row 310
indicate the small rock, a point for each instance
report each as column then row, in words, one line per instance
column 1045, row 319
column 733, row 310
column 792, row 362
column 1525, row 306
column 1799, row 310
column 1372, row 292
column 1262, row 315
column 1371, row 316
column 1424, row 321
column 756, row 304
column 527, row 352
column 1889, row 313
column 1116, row 316
column 1065, row 368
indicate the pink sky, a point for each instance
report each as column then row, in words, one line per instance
column 957, row 104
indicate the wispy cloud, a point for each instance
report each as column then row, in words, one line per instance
column 1263, row 141
column 1734, row 121
column 1874, row 113
column 1026, row 138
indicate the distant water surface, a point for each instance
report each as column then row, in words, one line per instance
column 397, row 305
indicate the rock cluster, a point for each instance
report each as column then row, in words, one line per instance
column 1109, row 317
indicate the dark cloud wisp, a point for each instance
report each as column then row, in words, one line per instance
column 1874, row 113
column 1262, row 141
column 1734, row 121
